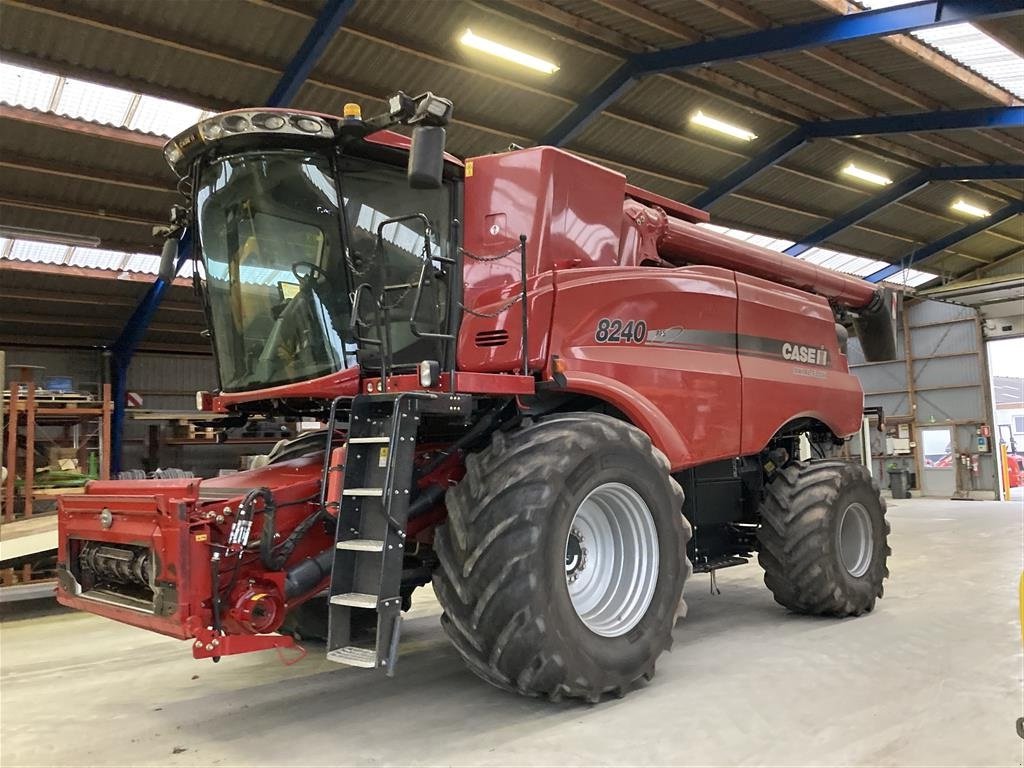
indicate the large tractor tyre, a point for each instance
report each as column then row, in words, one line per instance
column 563, row 558
column 823, row 538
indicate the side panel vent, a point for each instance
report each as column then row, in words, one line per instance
column 491, row 338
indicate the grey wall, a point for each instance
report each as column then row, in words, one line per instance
column 943, row 381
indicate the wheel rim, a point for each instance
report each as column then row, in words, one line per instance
column 855, row 539
column 611, row 559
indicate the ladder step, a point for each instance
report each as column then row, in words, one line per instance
column 354, row 656
column 362, row 545
column 356, row 600
column 363, row 492
column 382, row 439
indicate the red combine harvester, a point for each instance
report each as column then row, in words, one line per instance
column 546, row 391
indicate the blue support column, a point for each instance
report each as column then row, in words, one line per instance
column 123, row 349
column 331, row 17
column 900, row 190
column 951, row 239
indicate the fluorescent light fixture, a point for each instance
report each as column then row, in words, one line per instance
column 971, row 210
column 48, row 236
column 509, row 54
column 859, row 173
column 699, row 118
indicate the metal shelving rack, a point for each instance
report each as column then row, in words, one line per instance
column 24, row 414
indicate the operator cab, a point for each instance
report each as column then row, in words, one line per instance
column 325, row 243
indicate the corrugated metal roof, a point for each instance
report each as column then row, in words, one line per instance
column 211, row 56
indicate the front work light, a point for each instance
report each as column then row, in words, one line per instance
column 430, row 373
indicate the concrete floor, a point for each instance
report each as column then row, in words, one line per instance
column 932, row 677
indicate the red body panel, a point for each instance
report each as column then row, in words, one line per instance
column 682, row 383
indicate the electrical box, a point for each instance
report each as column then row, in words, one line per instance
column 983, row 444
column 897, row 446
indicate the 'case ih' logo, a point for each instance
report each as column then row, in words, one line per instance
column 798, row 353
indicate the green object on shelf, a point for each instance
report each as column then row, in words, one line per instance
column 55, row 478
column 94, row 465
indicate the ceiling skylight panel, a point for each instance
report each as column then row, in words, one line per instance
column 142, row 262
column 24, row 87
column 163, row 117
column 97, row 103
column 38, row 253
column 968, row 45
column 96, row 258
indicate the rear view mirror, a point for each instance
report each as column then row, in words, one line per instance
column 169, row 260
column 426, row 157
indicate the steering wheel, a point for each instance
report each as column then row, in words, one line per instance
column 307, row 271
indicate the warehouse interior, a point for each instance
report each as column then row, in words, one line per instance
column 875, row 145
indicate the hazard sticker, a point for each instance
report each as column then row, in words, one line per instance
column 382, row 461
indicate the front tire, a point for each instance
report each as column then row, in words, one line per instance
column 563, row 558
column 823, row 538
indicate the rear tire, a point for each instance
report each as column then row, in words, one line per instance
column 513, row 540
column 823, row 538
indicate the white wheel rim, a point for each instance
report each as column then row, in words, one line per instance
column 611, row 559
column 855, row 539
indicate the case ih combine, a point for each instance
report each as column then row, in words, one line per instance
column 546, row 391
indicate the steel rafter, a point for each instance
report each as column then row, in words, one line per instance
column 813, row 34
column 331, row 17
column 952, row 238
column 327, row 23
column 901, row 189
column 990, row 117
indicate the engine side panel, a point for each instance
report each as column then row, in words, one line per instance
column 723, row 360
column 791, row 363
column 659, row 344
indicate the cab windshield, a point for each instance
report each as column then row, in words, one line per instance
column 284, row 252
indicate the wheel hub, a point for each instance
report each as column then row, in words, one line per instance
column 611, row 559
column 575, row 555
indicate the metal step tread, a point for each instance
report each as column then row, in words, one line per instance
column 354, row 656
column 363, row 492
column 356, row 600
column 362, row 545
column 382, row 439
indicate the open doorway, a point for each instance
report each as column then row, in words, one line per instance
column 1006, row 369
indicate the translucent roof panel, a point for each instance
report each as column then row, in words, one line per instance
column 771, row 243
column 846, row 263
column 968, row 45
column 97, row 103
column 24, row 87
column 162, row 117
column 96, row 258
column 35, row 89
column 38, row 253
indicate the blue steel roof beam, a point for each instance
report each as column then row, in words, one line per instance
column 900, row 190
column 813, row 34
column 988, row 117
column 327, row 23
column 754, row 166
column 584, row 113
column 952, row 238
